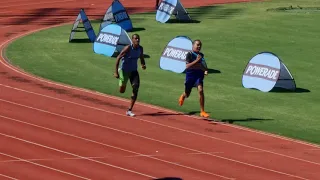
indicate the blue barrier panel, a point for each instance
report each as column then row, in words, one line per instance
column 173, row 57
column 82, row 17
column 171, row 7
column 110, row 39
column 117, row 13
column 266, row 71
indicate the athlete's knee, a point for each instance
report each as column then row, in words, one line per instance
column 135, row 88
column 200, row 89
column 134, row 96
column 187, row 92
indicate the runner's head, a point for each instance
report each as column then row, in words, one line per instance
column 196, row 45
column 135, row 39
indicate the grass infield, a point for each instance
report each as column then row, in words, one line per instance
column 231, row 34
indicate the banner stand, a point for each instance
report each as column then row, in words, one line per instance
column 265, row 71
column 82, row 17
column 171, row 7
column 110, row 39
column 116, row 13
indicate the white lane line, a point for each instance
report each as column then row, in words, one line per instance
column 8, row 177
column 163, row 125
column 64, row 152
column 114, row 147
column 221, row 157
column 53, row 169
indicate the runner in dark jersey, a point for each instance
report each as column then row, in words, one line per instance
column 195, row 71
column 128, row 70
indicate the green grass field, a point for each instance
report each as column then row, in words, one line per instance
column 231, row 35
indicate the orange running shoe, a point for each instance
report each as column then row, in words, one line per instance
column 181, row 100
column 204, row 114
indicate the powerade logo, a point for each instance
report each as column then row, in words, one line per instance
column 121, row 16
column 262, row 71
column 175, row 53
column 166, row 7
column 108, row 38
column 109, row 16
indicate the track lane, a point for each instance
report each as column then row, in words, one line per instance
column 125, row 159
column 7, row 177
column 218, row 132
column 32, row 170
column 82, row 167
column 189, row 126
column 179, row 156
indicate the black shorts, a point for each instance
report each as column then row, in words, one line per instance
column 132, row 76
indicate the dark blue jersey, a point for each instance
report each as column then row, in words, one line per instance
column 195, row 69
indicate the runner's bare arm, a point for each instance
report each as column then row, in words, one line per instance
column 122, row 53
column 142, row 61
column 189, row 59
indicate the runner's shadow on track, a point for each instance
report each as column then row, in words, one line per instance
column 160, row 114
column 193, row 112
column 168, row 178
column 231, row 121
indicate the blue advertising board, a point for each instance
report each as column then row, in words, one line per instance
column 82, row 17
column 266, row 71
column 165, row 10
column 117, row 13
column 171, row 7
column 173, row 57
column 111, row 38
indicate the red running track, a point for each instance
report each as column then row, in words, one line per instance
column 54, row 131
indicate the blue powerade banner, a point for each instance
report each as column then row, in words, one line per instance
column 110, row 39
column 86, row 25
column 165, row 10
column 266, row 71
column 173, row 57
column 118, row 14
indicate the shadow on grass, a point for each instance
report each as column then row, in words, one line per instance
column 210, row 71
column 231, row 121
column 80, row 41
column 137, row 29
column 282, row 90
column 172, row 21
column 213, row 12
column 115, row 54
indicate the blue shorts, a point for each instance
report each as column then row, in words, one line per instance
column 193, row 80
